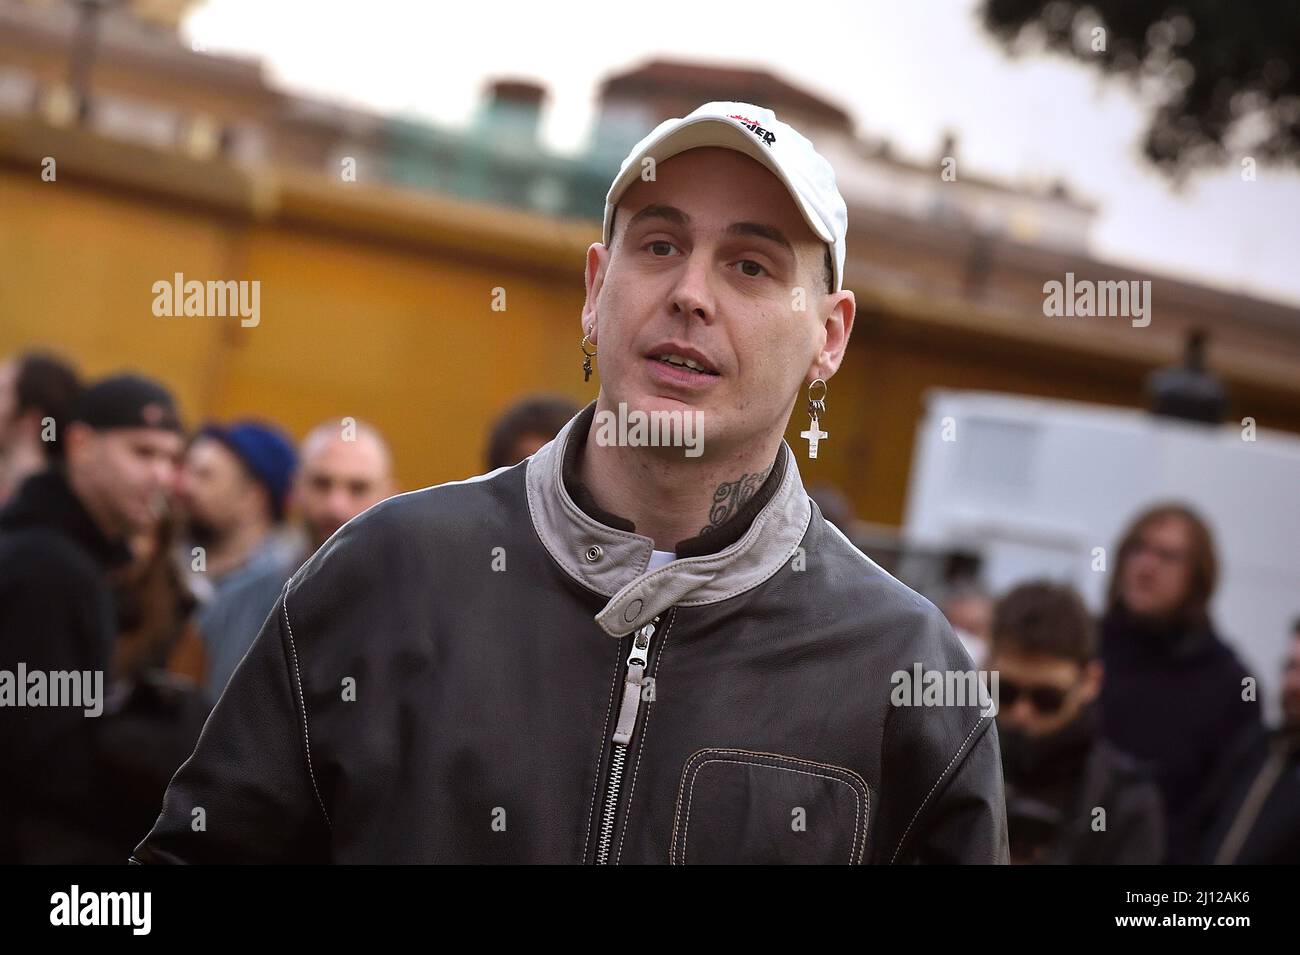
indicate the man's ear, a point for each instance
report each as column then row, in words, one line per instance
column 76, row 439
column 838, row 327
column 597, row 262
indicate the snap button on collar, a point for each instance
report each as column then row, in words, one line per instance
column 594, row 553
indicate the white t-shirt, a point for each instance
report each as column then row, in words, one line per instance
column 660, row 557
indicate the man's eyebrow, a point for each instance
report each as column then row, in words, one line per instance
column 678, row 217
column 659, row 210
column 758, row 229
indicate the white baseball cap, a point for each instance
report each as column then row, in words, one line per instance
column 756, row 132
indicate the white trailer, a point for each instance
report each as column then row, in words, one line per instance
column 1036, row 486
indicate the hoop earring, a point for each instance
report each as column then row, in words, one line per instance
column 816, row 408
column 587, row 357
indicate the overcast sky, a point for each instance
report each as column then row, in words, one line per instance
column 903, row 71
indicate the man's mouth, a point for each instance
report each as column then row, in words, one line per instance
column 681, row 361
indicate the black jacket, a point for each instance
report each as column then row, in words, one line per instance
column 1172, row 698
column 1257, row 803
column 447, row 680
column 77, row 789
column 56, row 614
column 1099, row 808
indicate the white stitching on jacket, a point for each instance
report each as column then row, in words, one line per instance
column 693, row 773
column 898, row 848
column 293, row 649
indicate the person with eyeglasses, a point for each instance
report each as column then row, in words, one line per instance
column 1071, row 798
column 1176, row 696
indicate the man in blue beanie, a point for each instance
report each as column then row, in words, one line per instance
column 234, row 490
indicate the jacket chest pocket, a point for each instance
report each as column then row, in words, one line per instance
column 736, row 806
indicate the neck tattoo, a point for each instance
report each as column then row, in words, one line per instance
column 730, row 496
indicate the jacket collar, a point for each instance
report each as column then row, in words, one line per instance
column 724, row 535
column 604, row 553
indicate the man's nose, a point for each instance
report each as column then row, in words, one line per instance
column 692, row 296
column 340, row 505
column 1021, row 713
column 166, row 476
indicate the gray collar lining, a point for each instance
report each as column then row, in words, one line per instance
column 619, row 570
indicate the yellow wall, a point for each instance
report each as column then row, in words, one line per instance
column 395, row 328
column 376, row 303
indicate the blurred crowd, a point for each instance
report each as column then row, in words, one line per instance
column 135, row 547
column 1136, row 738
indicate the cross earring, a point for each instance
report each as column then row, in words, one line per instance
column 588, row 356
column 816, row 408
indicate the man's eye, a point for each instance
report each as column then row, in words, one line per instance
column 751, row 268
column 661, row 248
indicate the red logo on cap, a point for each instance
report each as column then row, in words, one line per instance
column 763, row 134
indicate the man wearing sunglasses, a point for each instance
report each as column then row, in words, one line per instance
column 1071, row 798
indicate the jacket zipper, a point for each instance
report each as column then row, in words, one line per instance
column 633, row 681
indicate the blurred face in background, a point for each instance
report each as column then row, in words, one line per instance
column 216, row 493
column 1038, row 694
column 338, row 479
column 707, row 256
column 527, row 444
column 123, row 475
column 1156, row 575
column 9, row 420
column 971, row 613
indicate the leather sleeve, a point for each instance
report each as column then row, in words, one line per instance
column 942, row 794
column 250, row 773
column 965, row 821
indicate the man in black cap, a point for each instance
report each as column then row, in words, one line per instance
column 60, row 537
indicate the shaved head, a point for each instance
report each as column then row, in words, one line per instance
column 346, row 467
